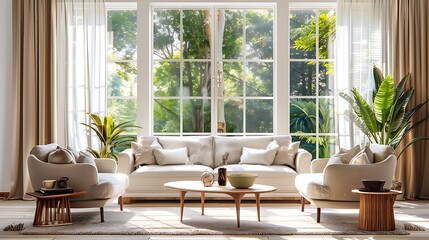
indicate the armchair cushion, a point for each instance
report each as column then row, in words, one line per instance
column 42, row 151
column 381, row 152
column 61, row 156
column 311, row 186
column 86, row 158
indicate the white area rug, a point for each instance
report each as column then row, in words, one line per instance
column 218, row 220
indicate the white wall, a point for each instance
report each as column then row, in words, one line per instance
column 5, row 92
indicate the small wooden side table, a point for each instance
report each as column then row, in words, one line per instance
column 52, row 210
column 376, row 210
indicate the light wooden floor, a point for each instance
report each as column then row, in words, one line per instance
column 416, row 212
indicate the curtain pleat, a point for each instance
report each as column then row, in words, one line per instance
column 411, row 55
column 34, row 92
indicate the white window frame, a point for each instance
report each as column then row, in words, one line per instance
column 317, row 60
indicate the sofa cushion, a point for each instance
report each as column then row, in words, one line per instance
column 200, row 149
column 381, row 152
column 143, row 152
column 171, row 156
column 61, row 156
column 42, row 151
column 257, row 156
column 234, row 146
column 310, row 186
column 286, row 155
column 282, row 177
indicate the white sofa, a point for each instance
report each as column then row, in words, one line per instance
column 205, row 154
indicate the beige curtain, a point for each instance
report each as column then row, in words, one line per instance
column 34, row 87
column 411, row 51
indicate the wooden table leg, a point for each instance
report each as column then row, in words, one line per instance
column 182, row 203
column 203, row 196
column 237, row 199
column 258, row 205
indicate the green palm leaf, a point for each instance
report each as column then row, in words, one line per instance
column 366, row 111
column 384, row 100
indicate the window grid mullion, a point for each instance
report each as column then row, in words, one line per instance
column 181, row 73
column 245, row 66
column 317, row 83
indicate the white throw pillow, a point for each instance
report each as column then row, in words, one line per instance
column 144, row 154
column 177, row 156
column 286, row 155
column 257, row 156
column 360, row 159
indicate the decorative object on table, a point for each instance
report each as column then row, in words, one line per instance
column 110, row 134
column 222, row 178
column 54, row 191
column 384, row 120
column 371, row 185
column 207, row 178
column 242, row 180
column 62, row 182
column 49, row 183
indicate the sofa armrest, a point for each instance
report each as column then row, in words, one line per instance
column 106, row 165
column 303, row 161
column 318, row 165
column 126, row 162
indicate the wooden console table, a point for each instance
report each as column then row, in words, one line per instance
column 376, row 210
column 53, row 210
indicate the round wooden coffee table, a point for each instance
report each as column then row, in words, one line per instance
column 53, row 210
column 376, row 210
column 236, row 194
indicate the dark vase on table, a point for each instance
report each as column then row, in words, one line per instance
column 221, row 176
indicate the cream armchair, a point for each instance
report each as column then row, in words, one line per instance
column 101, row 182
column 331, row 186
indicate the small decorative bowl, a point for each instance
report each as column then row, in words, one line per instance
column 242, row 180
column 373, row 185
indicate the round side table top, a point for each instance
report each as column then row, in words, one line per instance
column 387, row 192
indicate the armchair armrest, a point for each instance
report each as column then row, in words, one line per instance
column 81, row 176
column 303, row 161
column 318, row 165
column 126, row 162
column 106, row 165
column 342, row 178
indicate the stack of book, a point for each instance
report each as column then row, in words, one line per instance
column 52, row 191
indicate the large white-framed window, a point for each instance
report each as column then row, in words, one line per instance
column 312, row 92
column 284, row 85
column 213, row 69
column 121, row 61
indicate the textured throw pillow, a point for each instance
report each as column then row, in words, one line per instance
column 368, row 153
column 381, row 152
column 257, row 156
column 42, row 151
column 273, row 145
column 360, row 159
column 177, row 156
column 86, row 158
column 347, row 155
column 144, row 154
column 286, row 155
column 61, row 156
column 75, row 153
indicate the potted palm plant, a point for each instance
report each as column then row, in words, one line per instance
column 111, row 135
column 386, row 119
